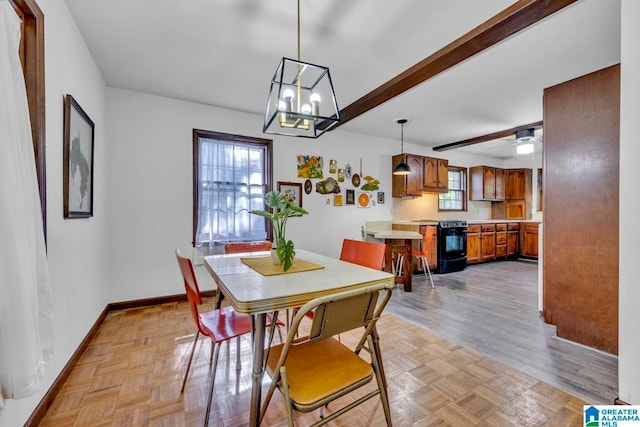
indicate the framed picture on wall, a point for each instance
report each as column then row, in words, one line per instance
column 77, row 161
column 293, row 190
column 351, row 197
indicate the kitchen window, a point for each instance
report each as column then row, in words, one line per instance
column 232, row 173
column 456, row 198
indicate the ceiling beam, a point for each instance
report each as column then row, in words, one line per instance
column 489, row 137
column 516, row 17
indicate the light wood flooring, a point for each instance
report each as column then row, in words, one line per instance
column 130, row 375
column 492, row 309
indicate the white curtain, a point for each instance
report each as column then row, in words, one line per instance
column 26, row 327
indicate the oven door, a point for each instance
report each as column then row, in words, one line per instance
column 452, row 243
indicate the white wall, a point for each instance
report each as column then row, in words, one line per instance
column 150, row 186
column 77, row 251
column 629, row 292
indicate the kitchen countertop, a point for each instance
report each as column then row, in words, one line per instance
column 469, row 221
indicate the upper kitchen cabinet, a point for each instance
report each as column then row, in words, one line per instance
column 408, row 185
column 436, row 175
column 517, row 203
column 487, row 183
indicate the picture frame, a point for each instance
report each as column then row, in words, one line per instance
column 350, row 197
column 380, row 197
column 337, row 200
column 293, row 190
column 77, row 161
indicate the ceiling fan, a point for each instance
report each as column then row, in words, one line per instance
column 524, row 140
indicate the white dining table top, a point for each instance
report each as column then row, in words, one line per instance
column 249, row 292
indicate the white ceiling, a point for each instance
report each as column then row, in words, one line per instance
column 224, row 52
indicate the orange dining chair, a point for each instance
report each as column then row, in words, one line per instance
column 423, row 255
column 367, row 254
column 219, row 325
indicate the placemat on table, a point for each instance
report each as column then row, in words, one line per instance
column 266, row 267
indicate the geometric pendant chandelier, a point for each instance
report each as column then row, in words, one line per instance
column 301, row 100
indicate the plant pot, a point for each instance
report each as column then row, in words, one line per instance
column 274, row 256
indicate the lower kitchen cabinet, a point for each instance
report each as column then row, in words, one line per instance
column 501, row 240
column 473, row 244
column 513, row 237
column 529, row 240
column 488, row 242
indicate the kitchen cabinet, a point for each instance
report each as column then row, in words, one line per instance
column 436, row 175
column 488, row 242
column 513, row 237
column 473, row 243
column 517, row 203
column 529, row 240
column 501, row 240
column 408, row 185
column 487, row 183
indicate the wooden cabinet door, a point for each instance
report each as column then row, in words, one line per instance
column 516, row 184
column 515, row 209
column 500, row 184
column 512, row 242
column 473, row 245
column 530, row 241
column 430, row 172
column 489, row 183
column 443, row 175
column 488, row 242
column 407, row 185
column 414, row 180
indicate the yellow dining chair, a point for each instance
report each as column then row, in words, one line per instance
column 313, row 371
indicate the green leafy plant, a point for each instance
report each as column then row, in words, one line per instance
column 281, row 210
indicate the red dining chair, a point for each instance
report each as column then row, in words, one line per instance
column 423, row 255
column 219, row 325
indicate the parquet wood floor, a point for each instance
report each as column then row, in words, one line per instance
column 130, row 375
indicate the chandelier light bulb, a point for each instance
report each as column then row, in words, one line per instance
column 288, row 94
column 305, row 109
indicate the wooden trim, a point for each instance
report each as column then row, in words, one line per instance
column 617, row 401
column 489, row 137
column 39, row 412
column 33, row 39
column 248, row 140
column 511, row 20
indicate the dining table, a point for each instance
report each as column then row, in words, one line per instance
column 255, row 288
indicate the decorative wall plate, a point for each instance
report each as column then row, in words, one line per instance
column 308, row 186
column 363, row 200
column 347, row 171
column 355, row 180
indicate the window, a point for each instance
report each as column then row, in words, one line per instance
column 232, row 173
column 456, row 198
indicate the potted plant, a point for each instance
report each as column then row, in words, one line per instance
column 281, row 210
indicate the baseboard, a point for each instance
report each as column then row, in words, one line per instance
column 617, row 401
column 50, row 395
column 39, row 412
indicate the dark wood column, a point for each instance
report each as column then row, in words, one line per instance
column 581, row 174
